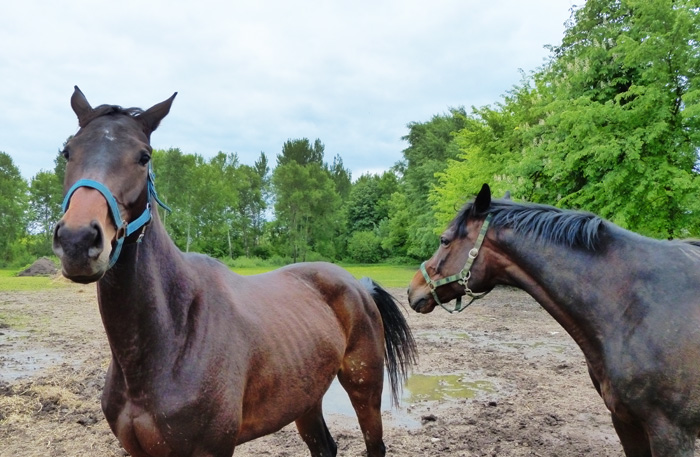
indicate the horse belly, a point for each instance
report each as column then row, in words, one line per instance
column 284, row 386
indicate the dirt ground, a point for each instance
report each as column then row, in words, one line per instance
column 500, row 379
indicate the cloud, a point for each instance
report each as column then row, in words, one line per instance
column 252, row 74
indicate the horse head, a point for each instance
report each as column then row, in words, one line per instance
column 458, row 267
column 107, row 184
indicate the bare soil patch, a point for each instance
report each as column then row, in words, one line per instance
column 41, row 267
column 500, row 379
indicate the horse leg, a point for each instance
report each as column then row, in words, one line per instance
column 364, row 385
column 633, row 437
column 669, row 440
column 313, row 430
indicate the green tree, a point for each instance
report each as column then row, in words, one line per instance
column 619, row 138
column 175, row 181
column 45, row 196
column 342, row 177
column 492, row 145
column 368, row 203
column 301, row 151
column 394, row 230
column 609, row 124
column 13, row 204
column 253, row 190
column 307, row 204
column 431, row 145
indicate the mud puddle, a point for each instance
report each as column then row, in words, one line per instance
column 19, row 360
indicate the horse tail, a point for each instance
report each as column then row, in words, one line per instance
column 399, row 346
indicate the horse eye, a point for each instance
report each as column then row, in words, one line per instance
column 145, row 158
column 65, row 153
column 444, row 241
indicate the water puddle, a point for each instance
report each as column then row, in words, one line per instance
column 444, row 335
column 18, row 362
column 418, row 388
column 422, row 387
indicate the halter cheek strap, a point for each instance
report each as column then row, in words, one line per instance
column 124, row 228
column 462, row 277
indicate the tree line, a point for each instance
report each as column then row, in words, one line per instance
column 609, row 124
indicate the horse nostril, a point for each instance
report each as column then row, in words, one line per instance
column 57, row 248
column 97, row 245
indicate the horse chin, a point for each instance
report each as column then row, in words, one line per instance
column 423, row 305
column 82, row 279
column 84, row 272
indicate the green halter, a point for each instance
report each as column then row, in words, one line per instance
column 462, row 277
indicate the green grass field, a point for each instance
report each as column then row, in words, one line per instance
column 10, row 282
column 385, row 275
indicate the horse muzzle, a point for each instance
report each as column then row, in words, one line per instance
column 80, row 241
column 420, row 299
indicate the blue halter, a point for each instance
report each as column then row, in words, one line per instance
column 124, row 228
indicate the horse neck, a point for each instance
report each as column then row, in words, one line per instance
column 144, row 299
column 566, row 282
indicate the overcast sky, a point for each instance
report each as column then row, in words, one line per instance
column 252, row 74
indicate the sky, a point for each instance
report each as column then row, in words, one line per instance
column 251, row 75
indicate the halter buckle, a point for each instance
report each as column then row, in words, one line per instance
column 122, row 229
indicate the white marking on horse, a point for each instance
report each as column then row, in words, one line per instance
column 108, row 134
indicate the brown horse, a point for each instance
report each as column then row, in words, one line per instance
column 631, row 303
column 204, row 359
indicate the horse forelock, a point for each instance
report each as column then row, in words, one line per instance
column 575, row 229
column 109, row 110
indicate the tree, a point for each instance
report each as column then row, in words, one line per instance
column 609, row 124
column 368, row 203
column 431, row 145
column 253, row 190
column 175, row 180
column 491, row 146
column 45, row 198
column 307, row 203
column 13, row 201
column 621, row 137
column 302, row 152
column 342, row 177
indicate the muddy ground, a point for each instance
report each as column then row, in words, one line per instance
column 500, row 379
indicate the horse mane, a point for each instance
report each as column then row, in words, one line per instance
column 110, row 110
column 575, row 229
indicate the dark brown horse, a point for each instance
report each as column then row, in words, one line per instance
column 631, row 303
column 204, row 359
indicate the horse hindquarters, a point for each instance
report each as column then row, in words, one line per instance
column 386, row 340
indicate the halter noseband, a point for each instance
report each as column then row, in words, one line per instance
column 462, row 277
column 124, row 228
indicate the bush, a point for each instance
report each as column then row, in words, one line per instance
column 365, row 247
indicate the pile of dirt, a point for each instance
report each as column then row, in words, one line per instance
column 42, row 267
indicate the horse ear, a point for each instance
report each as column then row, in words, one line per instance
column 507, row 195
column 483, row 200
column 80, row 106
column 152, row 116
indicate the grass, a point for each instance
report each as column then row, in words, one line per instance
column 384, row 275
column 9, row 281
